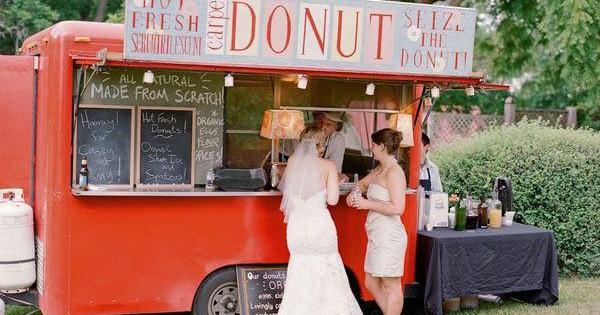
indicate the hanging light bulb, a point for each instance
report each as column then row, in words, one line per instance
column 302, row 81
column 228, row 80
column 435, row 92
column 370, row 90
column 470, row 90
column 148, row 77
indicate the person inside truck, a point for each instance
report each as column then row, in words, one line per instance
column 429, row 177
column 335, row 143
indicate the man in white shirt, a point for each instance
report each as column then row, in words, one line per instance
column 429, row 177
column 335, row 145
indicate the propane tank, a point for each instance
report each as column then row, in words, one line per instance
column 17, row 251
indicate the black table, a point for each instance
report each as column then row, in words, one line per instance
column 519, row 259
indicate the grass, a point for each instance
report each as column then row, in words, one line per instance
column 577, row 296
column 21, row 310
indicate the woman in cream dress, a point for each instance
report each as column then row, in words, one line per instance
column 385, row 188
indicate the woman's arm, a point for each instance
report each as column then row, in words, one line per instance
column 396, row 186
column 333, row 186
column 363, row 185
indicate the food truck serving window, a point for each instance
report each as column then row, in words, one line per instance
column 170, row 127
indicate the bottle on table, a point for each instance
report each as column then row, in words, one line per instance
column 84, row 175
column 482, row 212
column 356, row 190
column 274, row 176
column 472, row 216
column 495, row 212
column 210, row 180
column 461, row 216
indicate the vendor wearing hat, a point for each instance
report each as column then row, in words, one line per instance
column 335, row 145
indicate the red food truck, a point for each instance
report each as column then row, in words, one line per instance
column 146, row 238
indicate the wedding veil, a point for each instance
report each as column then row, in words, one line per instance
column 303, row 176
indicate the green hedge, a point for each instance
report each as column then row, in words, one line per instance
column 556, row 182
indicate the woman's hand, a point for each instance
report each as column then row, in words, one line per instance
column 361, row 203
column 349, row 200
column 342, row 178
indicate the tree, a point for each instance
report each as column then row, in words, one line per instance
column 554, row 43
column 118, row 16
column 21, row 18
column 552, row 47
column 101, row 11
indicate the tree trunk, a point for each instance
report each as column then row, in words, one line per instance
column 101, row 11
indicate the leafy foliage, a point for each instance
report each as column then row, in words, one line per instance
column 20, row 19
column 553, row 45
column 556, row 182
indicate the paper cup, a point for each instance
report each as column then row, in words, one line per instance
column 451, row 220
column 507, row 220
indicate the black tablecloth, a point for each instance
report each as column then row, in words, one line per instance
column 518, row 259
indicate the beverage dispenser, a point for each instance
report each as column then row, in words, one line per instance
column 503, row 189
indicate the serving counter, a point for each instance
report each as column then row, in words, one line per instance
column 181, row 192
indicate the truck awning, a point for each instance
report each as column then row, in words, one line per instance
column 451, row 82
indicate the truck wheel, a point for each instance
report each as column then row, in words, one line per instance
column 218, row 295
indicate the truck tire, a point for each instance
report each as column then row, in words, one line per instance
column 218, row 294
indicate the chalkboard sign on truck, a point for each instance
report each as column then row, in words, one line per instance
column 203, row 91
column 260, row 289
column 104, row 136
column 165, row 146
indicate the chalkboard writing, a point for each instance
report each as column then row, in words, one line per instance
column 209, row 140
column 260, row 289
column 165, row 144
column 104, row 137
column 203, row 91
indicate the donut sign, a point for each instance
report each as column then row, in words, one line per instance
column 368, row 36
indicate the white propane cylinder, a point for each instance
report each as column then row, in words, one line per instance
column 17, row 248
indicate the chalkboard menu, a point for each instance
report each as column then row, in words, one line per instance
column 203, row 91
column 165, row 145
column 260, row 289
column 104, row 135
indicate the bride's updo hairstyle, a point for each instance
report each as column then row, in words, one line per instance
column 390, row 138
column 311, row 132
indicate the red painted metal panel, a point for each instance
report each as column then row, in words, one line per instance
column 149, row 254
column 16, row 113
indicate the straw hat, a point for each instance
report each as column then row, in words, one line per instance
column 334, row 117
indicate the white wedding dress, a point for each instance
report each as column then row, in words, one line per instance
column 316, row 282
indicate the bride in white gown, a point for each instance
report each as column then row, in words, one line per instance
column 316, row 282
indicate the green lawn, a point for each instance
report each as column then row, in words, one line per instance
column 20, row 310
column 577, row 296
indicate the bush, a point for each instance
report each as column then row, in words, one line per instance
column 555, row 175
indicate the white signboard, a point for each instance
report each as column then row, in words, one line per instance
column 353, row 35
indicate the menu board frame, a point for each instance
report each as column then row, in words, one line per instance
column 138, row 159
column 242, row 283
column 132, row 145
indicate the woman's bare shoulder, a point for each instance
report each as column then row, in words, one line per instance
column 395, row 171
